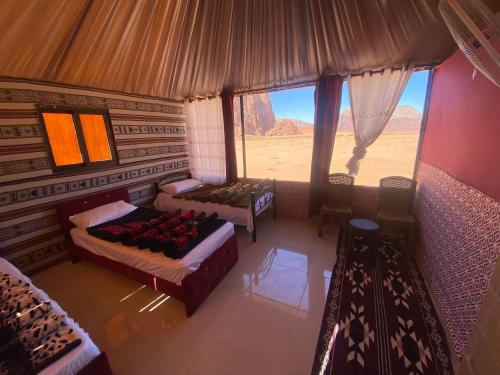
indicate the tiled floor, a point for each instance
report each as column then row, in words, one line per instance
column 264, row 317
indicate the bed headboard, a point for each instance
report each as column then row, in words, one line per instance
column 74, row 206
column 170, row 179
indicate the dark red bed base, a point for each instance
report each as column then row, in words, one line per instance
column 98, row 366
column 195, row 287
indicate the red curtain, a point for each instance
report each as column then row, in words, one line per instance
column 228, row 114
column 328, row 95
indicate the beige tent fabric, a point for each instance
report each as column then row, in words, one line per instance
column 33, row 34
column 180, row 48
column 298, row 40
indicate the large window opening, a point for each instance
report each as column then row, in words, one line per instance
column 274, row 135
column 394, row 152
column 278, row 134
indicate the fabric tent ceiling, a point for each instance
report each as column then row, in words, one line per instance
column 175, row 49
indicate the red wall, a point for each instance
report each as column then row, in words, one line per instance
column 463, row 128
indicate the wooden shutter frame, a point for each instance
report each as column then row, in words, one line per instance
column 75, row 112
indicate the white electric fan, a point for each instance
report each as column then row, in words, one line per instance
column 476, row 29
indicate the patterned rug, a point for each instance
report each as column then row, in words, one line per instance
column 379, row 317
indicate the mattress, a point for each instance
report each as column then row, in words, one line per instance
column 236, row 215
column 80, row 356
column 156, row 264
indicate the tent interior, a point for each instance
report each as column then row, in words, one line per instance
column 249, row 186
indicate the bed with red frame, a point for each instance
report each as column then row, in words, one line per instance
column 67, row 363
column 98, row 366
column 195, row 287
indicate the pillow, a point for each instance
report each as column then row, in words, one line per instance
column 180, row 186
column 102, row 214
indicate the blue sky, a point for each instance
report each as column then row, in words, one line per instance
column 299, row 103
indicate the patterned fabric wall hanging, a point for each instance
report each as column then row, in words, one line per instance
column 460, row 244
column 150, row 136
column 364, row 201
column 13, row 92
column 293, row 200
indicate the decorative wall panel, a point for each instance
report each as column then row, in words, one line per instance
column 150, row 135
column 293, row 200
column 364, row 201
column 460, row 244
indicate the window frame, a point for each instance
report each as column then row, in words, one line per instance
column 423, row 125
column 75, row 113
column 243, row 144
column 421, row 132
column 240, row 98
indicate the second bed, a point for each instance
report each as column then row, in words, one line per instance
column 258, row 201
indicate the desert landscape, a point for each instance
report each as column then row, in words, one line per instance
column 282, row 148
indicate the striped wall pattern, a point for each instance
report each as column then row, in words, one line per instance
column 150, row 137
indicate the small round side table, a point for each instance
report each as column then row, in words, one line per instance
column 368, row 231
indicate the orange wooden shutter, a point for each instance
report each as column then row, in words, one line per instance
column 62, row 138
column 96, row 138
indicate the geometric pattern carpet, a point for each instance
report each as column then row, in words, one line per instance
column 379, row 317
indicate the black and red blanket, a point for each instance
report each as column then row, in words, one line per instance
column 174, row 233
column 235, row 194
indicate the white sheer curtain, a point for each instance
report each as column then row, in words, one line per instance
column 373, row 100
column 205, row 128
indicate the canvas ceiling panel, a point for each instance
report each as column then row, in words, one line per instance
column 254, row 29
column 114, row 41
column 302, row 52
column 375, row 34
column 288, row 41
column 203, row 51
column 176, row 49
column 34, row 35
column 159, row 48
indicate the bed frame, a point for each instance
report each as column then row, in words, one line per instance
column 270, row 201
column 195, row 287
column 98, row 366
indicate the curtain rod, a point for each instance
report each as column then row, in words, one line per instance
column 255, row 91
column 381, row 70
column 277, row 87
column 201, row 97
column 240, row 92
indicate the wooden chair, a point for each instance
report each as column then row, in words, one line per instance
column 395, row 199
column 339, row 204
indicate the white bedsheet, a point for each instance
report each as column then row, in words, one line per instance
column 236, row 215
column 157, row 264
column 77, row 358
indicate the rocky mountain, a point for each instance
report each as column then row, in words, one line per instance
column 301, row 123
column 259, row 114
column 405, row 118
column 260, row 119
column 284, row 127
